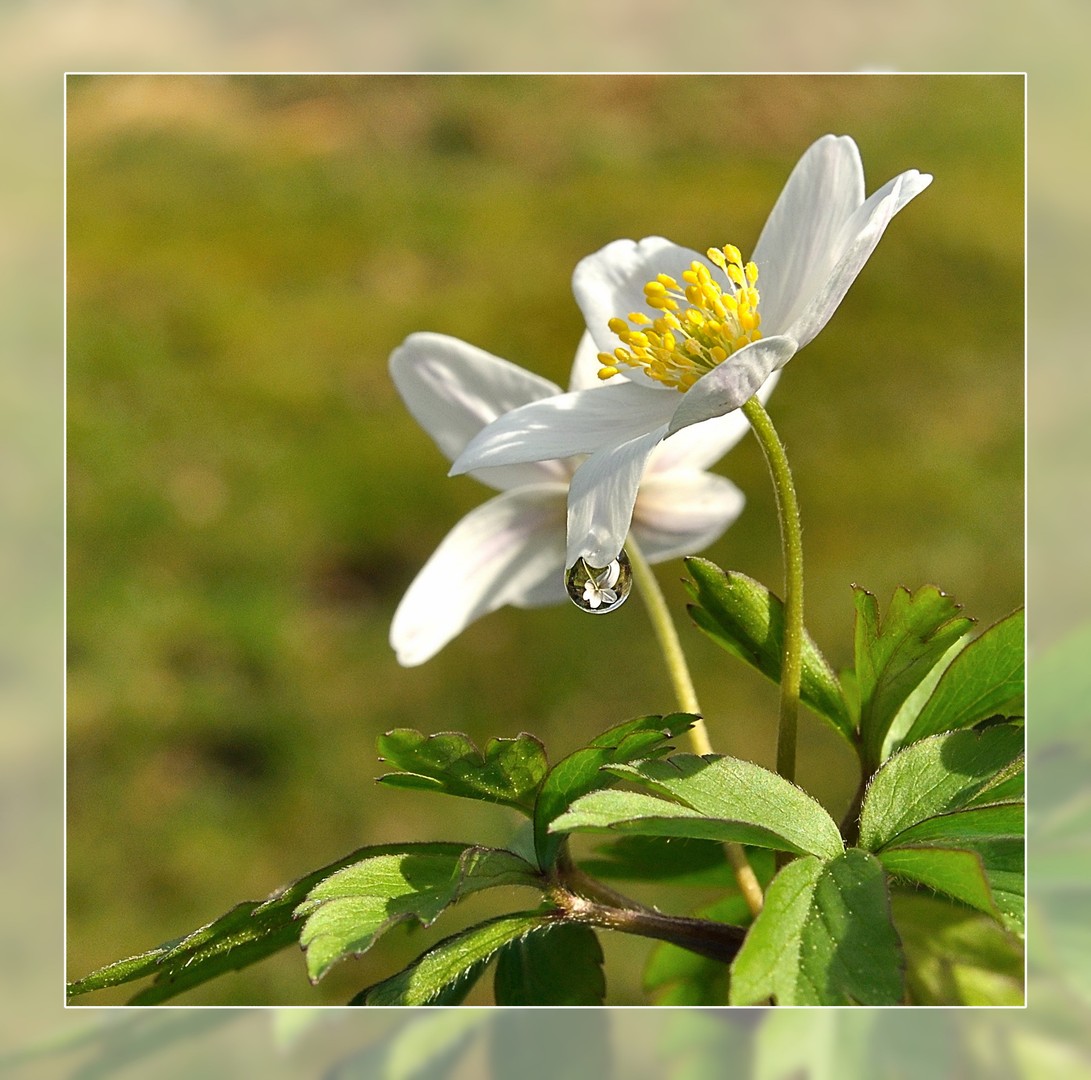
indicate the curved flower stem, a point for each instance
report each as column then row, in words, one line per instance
column 792, row 543
column 667, row 636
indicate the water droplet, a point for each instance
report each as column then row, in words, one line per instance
column 599, row 589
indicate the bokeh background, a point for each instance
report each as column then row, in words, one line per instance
column 248, row 498
column 43, row 39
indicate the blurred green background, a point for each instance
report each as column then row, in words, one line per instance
column 248, row 498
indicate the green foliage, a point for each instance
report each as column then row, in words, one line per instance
column 446, row 972
column 938, row 775
column 347, row 911
column 985, row 679
column 744, row 617
column 824, row 937
column 559, row 965
column 945, row 811
column 893, row 657
column 716, row 798
column 926, row 813
column 247, row 933
column 582, row 771
column 509, row 771
column 955, row 956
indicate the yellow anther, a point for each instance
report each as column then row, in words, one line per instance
column 714, row 320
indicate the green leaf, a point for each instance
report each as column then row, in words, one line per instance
column 633, row 812
column 824, row 937
column 984, row 678
column 959, row 873
column 509, row 771
column 561, row 965
column 955, row 956
column 744, row 617
column 894, row 657
column 349, row 910
column 727, row 789
column 581, row 771
column 247, row 933
column 934, row 776
column 447, row 971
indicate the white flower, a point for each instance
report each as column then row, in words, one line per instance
column 666, row 320
column 511, row 549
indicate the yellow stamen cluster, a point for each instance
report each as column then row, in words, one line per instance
column 701, row 323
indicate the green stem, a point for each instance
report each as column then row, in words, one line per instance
column 792, row 543
column 667, row 636
column 682, row 681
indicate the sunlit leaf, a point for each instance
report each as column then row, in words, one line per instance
column 895, row 655
column 448, row 970
column 247, row 933
column 727, row 789
column 582, row 771
column 935, row 776
column 347, row 911
column 744, row 617
column 507, row 771
column 982, row 680
column 824, row 937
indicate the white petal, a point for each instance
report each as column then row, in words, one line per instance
column 453, row 390
column 509, row 550
column 559, row 427
column 796, row 248
column 610, row 284
column 585, row 368
column 859, row 236
column 701, row 445
column 734, row 382
column 601, row 498
column 683, row 511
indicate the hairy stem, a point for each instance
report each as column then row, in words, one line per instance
column 718, row 941
column 791, row 537
column 667, row 635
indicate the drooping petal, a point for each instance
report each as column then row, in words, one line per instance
column 601, row 498
column 682, row 511
column 559, row 427
column 857, row 241
column 453, row 390
column 509, row 550
column 796, row 248
column 610, row 284
column 732, row 383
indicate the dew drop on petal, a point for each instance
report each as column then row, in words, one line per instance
column 599, row 589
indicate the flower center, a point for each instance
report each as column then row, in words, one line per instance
column 701, row 323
